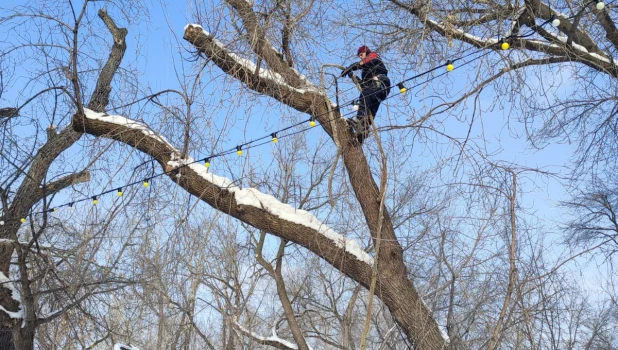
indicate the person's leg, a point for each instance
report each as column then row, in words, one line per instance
column 355, row 123
column 364, row 100
column 369, row 102
column 373, row 97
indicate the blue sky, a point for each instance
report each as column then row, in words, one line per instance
column 157, row 49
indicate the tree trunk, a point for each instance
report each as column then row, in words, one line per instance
column 14, row 331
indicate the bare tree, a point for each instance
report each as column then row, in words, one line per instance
column 595, row 222
column 399, row 293
column 30, row 176
column 424, row 218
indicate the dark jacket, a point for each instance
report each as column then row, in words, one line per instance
column 371, row 66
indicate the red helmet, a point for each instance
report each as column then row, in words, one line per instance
column 364, row 49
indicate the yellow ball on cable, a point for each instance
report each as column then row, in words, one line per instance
column 505, row 46
column 449, row 66
column 239, row 150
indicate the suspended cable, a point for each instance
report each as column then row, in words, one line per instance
column 275, row 136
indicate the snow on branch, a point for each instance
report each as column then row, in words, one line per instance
column 289, row 87
column 460, row 34
column 248, row 65
column 126, row 122
column 557, row 48
column 255, row 198
column 288, row 219
column 273, row 340
column 7, row 284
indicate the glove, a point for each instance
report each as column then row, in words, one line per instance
column 348, row 71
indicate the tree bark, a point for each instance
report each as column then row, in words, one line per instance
column 30, row 193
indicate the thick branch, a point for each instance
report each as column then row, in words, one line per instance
column 267, row 82
column 100, row 96
column 397, row 290
column 28, row 193
column 541, row 10
column 583, row 49
column 230, row 199
column 261, row 46
column 9, row 112
column 611, row 32
column 393, row 285
column 62, row 183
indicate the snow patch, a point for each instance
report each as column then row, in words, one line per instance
column 487, row 42
column 444, row 334
column 8, row 284
column 124, row 347
column 564, row 38
column 272, row 338
column 126, row 122
column 255, row 198
column 602, row 58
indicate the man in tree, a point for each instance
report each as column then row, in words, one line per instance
column 375, row 86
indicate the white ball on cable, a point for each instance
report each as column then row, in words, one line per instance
column 600, row 5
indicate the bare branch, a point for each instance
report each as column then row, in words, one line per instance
column 273, row 340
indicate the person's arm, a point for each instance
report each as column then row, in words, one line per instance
column 348, row 71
